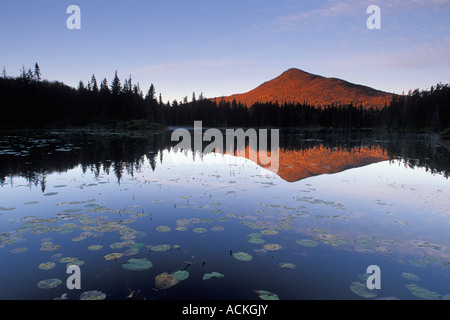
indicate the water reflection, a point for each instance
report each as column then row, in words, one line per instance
column 283, row 233
column 301, row 154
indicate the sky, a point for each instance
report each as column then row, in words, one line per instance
column 224, row 47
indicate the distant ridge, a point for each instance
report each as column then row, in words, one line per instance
column 297, row 86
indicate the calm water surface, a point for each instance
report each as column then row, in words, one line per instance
column 139, row 217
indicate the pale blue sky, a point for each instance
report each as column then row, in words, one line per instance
column 225, row 47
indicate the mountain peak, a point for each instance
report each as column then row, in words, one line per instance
column 298, row 86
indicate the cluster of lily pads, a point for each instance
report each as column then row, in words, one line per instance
column 360, row 288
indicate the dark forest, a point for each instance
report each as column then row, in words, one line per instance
column 30, row 102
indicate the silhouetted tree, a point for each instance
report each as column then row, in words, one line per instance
column 37, row 72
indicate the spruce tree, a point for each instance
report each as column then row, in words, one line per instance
column 116, row 87
column 37, row 72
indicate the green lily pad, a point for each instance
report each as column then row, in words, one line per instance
column 68, row 259
column 160, row 247
column 181, row 275
column 163, row 229
column 7, row 209
column 307, row 243
column 113, row 256
column 200, row 230
column 137, row 264
column 77, row 262
column 426, row 244
column 425, row 261
column 49, row 283
column 242, row 256
column 95, row 247
column 272, row 247
column 256, row 240
column 50, row 248
column 266, row 295
column 208, row 276
column 130, row 252
column 361, row 290
column 410, row 276
column 269, row 232
column 47, row 265
column 50, row 194
column 93, row 295
column 287, row 265
column 19, row 250
column 423, row 293
column 364, row 241
column 79, row 238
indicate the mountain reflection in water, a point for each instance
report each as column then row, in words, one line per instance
column 301, row 154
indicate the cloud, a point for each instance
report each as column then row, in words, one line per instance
column 348, row 9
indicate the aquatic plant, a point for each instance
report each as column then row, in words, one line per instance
column 137, row 264
column 361, row 290
column 93, row 295
column 208, row 276
column 49, row 283
column 242, row 256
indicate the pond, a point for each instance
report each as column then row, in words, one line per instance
column 143, row 220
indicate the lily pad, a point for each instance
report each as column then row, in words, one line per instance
column 307, row 243
column 208, row 276
column 19, row 250
column 93, row 295
column 117, row 245
column 269, row 232
column 200, row 230
column 423, row 293
column 181, row 275
column 113, row 256
column 410, row 276
column 49, row 283
column 68, row 259
column 287, row 265
column 242, row 256
column 256, row 240
column 47, row 265
column 79, row 238
column 266, row 295
column 364, row 241
column 165, row 281
column 160, row 247
column 77, row 262
column 163, row 229
column 426, row 244
column 361, row 290
column 50, row 248
column 95, row 247
column 137, row 264
column 272, row 247
column 50, row 194
column 130, row 252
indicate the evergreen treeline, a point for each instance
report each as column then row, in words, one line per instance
column 28, row 101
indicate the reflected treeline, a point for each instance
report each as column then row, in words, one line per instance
column 302, row 153
column 34, row 157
